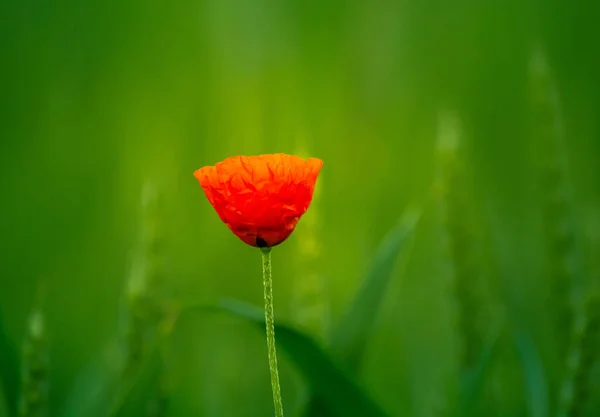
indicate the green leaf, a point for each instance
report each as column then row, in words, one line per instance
column 352, row 334
column 135, row 395
column 535, row 378
column 472, row 381
column 339, row 394
column 9, row 370
column 96, row 385
column 103, row 390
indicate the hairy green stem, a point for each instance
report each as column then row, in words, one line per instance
column 270, row 323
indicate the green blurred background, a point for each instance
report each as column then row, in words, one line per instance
column 101, row 98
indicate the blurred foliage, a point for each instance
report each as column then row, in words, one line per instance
column 9, row 380
column 335, row 392
column 100, row 98
column 35, row 380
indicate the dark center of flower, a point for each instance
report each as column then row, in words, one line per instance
column 261, row 243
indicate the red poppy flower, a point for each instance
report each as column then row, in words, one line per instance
column 260, row 198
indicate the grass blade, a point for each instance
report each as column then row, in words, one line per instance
column 535, row 377
column 338, row 393
column 352, row 333
column 105, row 389
column 96, row 385
column 473, row 380
column 134, row 395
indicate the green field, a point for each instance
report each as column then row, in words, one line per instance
column 447, row 267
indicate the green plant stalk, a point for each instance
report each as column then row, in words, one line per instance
column 270, row 324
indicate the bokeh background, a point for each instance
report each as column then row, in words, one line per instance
column 484, row 114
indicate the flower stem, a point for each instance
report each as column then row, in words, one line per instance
column 270, row 323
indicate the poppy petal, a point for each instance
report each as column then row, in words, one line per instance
column 260, row 198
